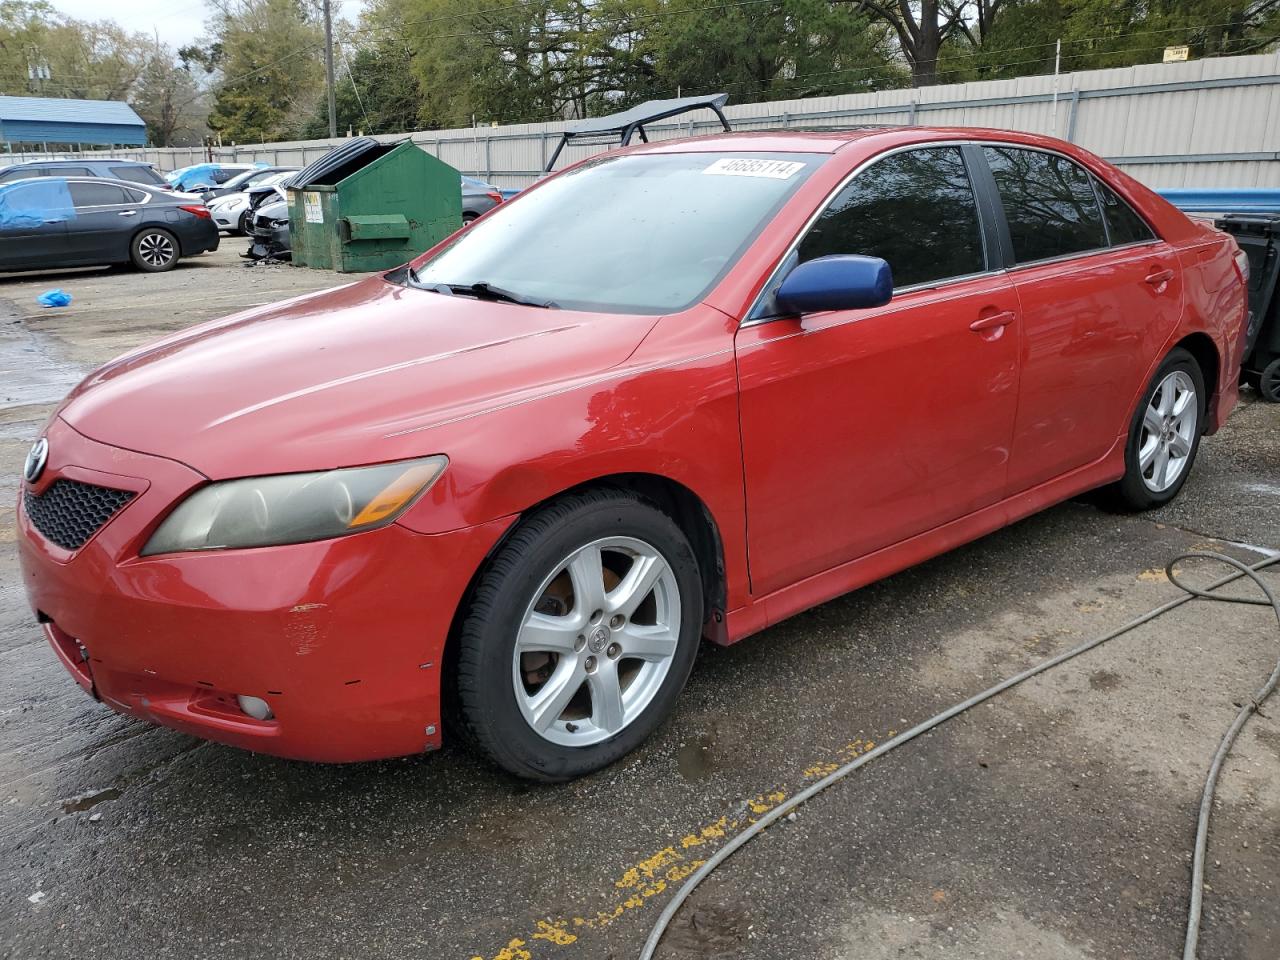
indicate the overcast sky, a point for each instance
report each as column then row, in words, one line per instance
column 179, row 22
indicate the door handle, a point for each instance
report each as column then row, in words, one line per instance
column 127, row 213
column 993, row 321
column 1158, row 278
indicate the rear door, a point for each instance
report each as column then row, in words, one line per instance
column 861, row 428
column 106, row 216
column 1099, row 294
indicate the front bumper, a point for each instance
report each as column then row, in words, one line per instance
column 343, row 638
column 227, row 219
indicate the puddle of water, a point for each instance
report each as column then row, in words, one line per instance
column 87, row 801
column 695, row 759
column 29, row 372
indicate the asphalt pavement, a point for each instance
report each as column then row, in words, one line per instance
column 1055, row 822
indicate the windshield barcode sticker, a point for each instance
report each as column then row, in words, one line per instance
column 746, row 167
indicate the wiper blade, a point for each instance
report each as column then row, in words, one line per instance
column 487, row 291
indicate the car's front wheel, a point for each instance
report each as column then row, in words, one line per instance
column 154, row 250
column 1164, row 435
column 580, row 635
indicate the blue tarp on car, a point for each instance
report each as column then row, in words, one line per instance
column 30, row 203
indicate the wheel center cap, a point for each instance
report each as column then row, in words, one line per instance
column 598, row 639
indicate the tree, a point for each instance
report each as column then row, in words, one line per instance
column 921, row 29
column 266, row 55
column 43, row 53
column 770, row 51
column 169, row 100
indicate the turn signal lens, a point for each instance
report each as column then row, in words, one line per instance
column 294, row 507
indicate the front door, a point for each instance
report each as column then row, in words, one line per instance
column 861, row 428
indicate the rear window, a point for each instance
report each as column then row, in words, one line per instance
column 1123, row 224
column 20, row 173
column 1049, row 203
column 97, row 194
column 138, row 174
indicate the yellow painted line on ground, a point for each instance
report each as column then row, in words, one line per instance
column 640, row 882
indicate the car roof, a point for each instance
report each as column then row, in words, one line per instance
column 116, row 161
column 835, row 139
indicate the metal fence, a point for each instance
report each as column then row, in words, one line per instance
column 1204, row 123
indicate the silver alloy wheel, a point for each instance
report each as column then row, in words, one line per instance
column 1168, row 431
column 584, row 674
column 156, row 249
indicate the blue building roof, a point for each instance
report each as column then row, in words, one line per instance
column 59, row 120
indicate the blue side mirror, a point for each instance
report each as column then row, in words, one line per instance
column 842, row 282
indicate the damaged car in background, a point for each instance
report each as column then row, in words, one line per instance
column 683, row 390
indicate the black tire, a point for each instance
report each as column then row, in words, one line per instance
column 154, row 250
column 242, row 225
column 469, row 217
column 1269, row 381
column 485, row 705
column 1133, row 492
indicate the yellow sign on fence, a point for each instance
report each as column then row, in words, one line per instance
column 1177, row 54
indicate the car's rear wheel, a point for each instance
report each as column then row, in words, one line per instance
column 154, row 250
column 580, row 635
column 469, row 217
column 1164, row 435
column 1269, row 381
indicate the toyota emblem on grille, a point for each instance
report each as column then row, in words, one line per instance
column 36, row 458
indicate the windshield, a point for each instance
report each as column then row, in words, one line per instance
column 240, row 179
column 643, row 233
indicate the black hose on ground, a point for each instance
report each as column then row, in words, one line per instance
column 1206, row 804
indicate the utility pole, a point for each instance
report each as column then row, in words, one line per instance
column 328, row 70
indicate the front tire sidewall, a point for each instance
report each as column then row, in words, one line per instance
column 136, row 256
column 486, row 696
column 1132, row 490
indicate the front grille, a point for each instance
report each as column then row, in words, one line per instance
column 70, row 512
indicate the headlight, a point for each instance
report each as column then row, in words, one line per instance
column 294, row 507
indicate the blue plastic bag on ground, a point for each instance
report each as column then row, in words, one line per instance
column 54, row 298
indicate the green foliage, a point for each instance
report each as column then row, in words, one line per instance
column 96, row 61
column 773, row 50
column 1107, row 33
column 270, row 57
column 412, row 64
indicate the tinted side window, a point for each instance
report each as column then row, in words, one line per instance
column 61, row 171
column 96, row 194
column 17, row 173
column 134, row 196
column 1048, row 201
column 138, row 175
column 914, row 209
column 1124, row 225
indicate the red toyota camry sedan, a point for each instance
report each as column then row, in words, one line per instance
column 678, row 391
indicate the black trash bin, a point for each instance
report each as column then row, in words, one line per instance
column 1259, row 237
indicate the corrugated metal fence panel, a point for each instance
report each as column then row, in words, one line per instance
column 1209, row 123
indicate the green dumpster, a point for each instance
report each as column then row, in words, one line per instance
column 371, row 206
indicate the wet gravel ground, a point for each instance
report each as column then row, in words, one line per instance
column 1054, row 822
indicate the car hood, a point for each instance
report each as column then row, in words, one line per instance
column 355, row 375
